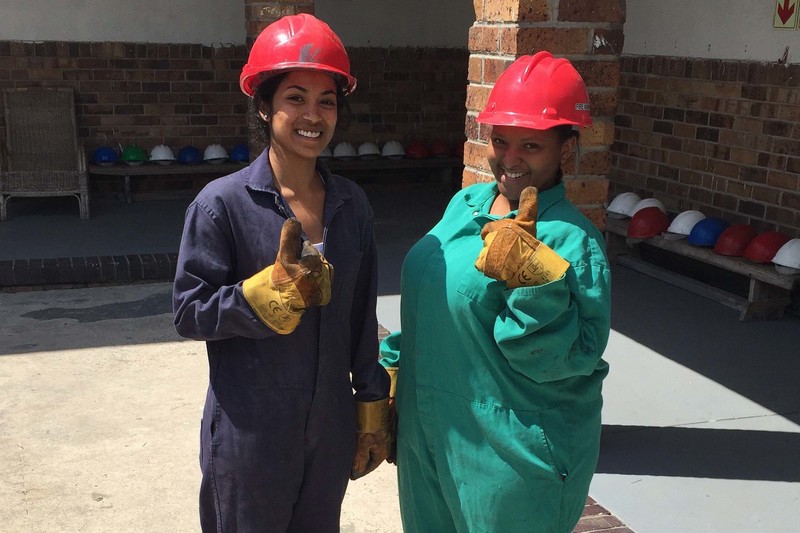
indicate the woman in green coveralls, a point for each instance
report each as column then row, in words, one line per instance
column 505, row 314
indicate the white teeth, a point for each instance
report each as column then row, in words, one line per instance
column 310, row 134
column 514, row 175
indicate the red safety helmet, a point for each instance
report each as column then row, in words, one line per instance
column 647, row 222
column 538, row 92
column 417, row 150
column 734, row 240
column 764, row 246
column 296, row 42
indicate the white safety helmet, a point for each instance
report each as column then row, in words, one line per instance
column 648, row 202
column 787, row 258
column 622, row 205
column 162, row 154
column 369, row 150
column 326, row 153
column 393, row 150
column 215, row 154
column 344, row 151
column 682, row 225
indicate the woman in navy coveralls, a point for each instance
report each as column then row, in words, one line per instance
column 283, row 415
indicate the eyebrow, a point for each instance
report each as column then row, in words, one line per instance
column 303, row 89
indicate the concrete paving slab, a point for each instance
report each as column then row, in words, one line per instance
column 99, row 418
column 101, row 405
column 700, row 422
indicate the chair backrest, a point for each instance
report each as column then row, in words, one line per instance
column 41, row 131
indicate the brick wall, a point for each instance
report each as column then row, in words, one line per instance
column 180, row 94
column 719, row 136
column 407, row 94
column 587, row 33
column 150, row 94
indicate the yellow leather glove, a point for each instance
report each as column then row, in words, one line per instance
column 373, row 440
column 280, row 293
column 512, row 253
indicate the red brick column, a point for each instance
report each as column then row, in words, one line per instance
column 587, row 33
column 259, row 14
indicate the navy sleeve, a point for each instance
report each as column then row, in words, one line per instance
column 208, row 302
column 370, row 380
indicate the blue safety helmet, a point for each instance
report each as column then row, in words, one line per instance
column 707, row 231
column 105, row 156
column 240, row 153
column 190, row 155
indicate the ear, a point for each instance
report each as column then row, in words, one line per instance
column 567, row 149
column 263, row 112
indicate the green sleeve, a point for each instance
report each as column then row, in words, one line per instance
column 390, row 350
column 558, row 330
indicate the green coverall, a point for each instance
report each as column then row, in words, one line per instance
column 498, row 390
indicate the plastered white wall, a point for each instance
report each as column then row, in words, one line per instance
column 387, row 23
column 443, row 23
column 720, row 29
column 157, row 21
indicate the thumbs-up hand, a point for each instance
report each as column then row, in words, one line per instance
column 310, row 273
column 512, row 253
column 280, row 293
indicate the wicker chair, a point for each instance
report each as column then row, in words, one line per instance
column 41, row 154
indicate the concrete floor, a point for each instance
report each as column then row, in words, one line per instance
column 101, row 402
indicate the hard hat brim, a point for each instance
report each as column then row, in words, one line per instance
column 250, row 81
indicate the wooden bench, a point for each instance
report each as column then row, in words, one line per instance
column 442, row 168
column 769, row 292
column 150, row 169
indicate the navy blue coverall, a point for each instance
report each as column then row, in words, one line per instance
column 278, row 431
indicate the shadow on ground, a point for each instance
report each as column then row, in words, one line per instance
column 757, row 360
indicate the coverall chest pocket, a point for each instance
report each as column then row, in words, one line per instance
column 481, row 294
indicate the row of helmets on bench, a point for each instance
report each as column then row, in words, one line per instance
column 648, row 218
column 393, row 150
column 133, row 154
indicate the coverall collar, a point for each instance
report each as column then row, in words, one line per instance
column 547, row 198
column 262, row 179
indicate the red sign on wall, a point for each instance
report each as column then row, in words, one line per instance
column 785, row 16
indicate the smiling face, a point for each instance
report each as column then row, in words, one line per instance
column 521, row 157
column 303, row 113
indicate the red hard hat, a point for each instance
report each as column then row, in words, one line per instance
column 538, row 92
column 734, row 240
column 417, row 150
column 296, row 42
column 648, row 222
column 764, row 246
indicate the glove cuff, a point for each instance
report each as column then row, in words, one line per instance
column 269, row 304
column 372, row 417
column 542, row 267
column 392, row 371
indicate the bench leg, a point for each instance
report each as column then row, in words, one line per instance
column 83, row 205
column 617, row 245
column 765, row 302
column 127, row 186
